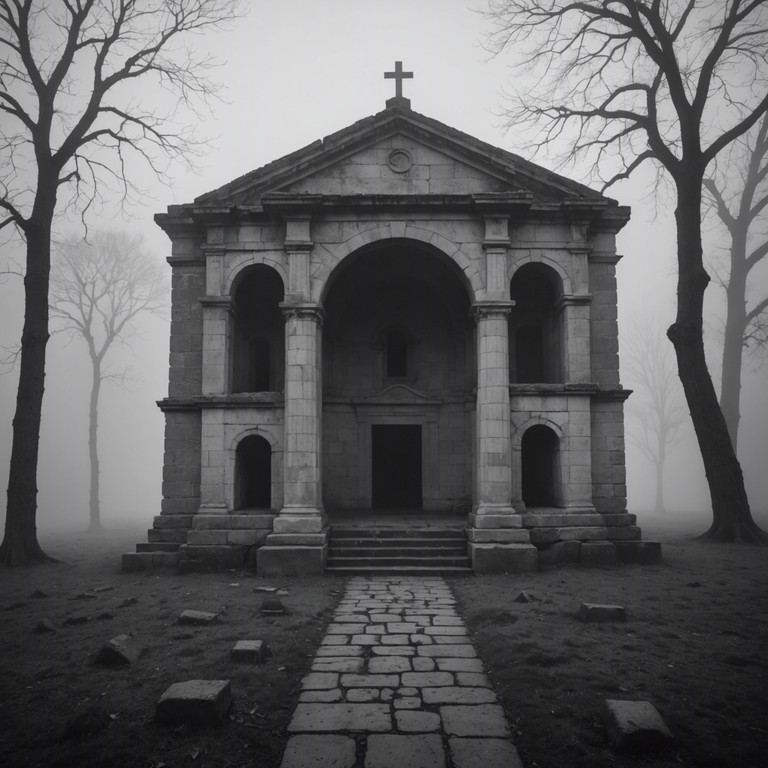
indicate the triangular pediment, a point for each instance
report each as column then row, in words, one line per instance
column 400, row 394
column 402, row 153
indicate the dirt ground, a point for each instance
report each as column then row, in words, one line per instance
column 694, row 644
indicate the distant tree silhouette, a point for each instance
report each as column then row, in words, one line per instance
column 739, row 192
column 98, row 289
column 79, row 85
column 673, row 82
column 656, row 411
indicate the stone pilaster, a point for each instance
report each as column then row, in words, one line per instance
column 217, row 344
column 497, row 543
column 577, row 348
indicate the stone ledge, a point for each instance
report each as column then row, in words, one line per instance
column 503, row 558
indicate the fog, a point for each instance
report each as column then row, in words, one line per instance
column 295, row 71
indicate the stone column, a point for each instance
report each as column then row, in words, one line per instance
column 303, row 506
column 497, row 541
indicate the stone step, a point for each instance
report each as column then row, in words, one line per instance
column 235, row 521
column 402, row 570
column 544, row 536
column 149, row 561
column 335, row 547
column 399, row 543
column 167, row 535
column 173, row 521
column 342, row 532
column 395, row 560
column 239, row 536
column 213, row 556
column 158, row 546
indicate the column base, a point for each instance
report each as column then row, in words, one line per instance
column 213, row 509
column 299, row 554
column 503, row 558
column 295, row 519
column 495, row 516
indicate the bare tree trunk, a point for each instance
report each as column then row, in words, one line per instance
column 732, row 519
column 733, row 341
column 93, row 446
column 661, row 457
column 20, row 545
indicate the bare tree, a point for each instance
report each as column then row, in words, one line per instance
column 80, row 84
column 673, row 82
column 739, row 192
column 98, row 289
column 656, row 410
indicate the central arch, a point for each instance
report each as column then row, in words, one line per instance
column 398, row 370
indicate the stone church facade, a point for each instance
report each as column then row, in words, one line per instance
column 397, row 317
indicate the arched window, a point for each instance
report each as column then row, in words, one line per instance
column 535, row 326
column 253, row 473
column 397, row 354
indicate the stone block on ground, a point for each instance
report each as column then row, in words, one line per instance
column 597, row 554
column 249, row 651
column 387, row 750
column 120, row 651
column 198, row 617
column 635, row 726
column 273, row 606
column 327, row 751
column 201, row 703
column 592, row 613
column 43, row 626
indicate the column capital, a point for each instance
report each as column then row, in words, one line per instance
column 303, row 310
column 489, row 309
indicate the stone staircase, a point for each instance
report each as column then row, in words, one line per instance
column 200, row 542
column 433, row 551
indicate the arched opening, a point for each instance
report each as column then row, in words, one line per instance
column 259, row 331
column 540, row 467
column 253, row 473
column 535, row 326
column 399, row 367
column 396, row 346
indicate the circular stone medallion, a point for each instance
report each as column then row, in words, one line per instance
column 399, row 160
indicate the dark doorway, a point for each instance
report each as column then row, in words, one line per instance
column 254, row 473
column 396, row 465
column 539, row 467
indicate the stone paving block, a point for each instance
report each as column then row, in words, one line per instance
column 476, row 679
column 447, row 651
column 249, row 651
column 364, row 640
column 318, row 681
column 330, row 664
column 458, row 695
column 386, row 751
column 376, row 629
column 423, row 664
column 341, row 716
column 339, row 650
column 393, row 650
column 335, row 640
column 446, row 630
column 330, row 751
column 451, row 639
column 636, row 727
column 475, row 720
column 417, row 722
column 447, row 621
column 199, row 703
column 597, row 612
column 345, row 629
column 363, row 694
column 385, row 664
column 394, row 639
column 421, row 640
column 198, row 617
column 333, row 694
column 369, row 681
column 408, row 702
column 488, row 753
column 422, row 679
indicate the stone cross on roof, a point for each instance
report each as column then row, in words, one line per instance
column 398, row 76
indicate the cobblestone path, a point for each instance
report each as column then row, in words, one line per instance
column 396, row 683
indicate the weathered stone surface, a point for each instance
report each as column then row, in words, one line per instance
column 329, row 751
column 459, row 665
column 387, row 664
column 503, row 558
column 332, row 694
column 458, row 695
column 249, row 651
column 595, row 612
column 446, row 651
column 475, row 720
column 597, row 554
column 198, row 617
column 344, row 664
column 560, row 552
column 416, row 722
column 320, row 681
column 488, row 753
column 43, row 626
column 342, row 716
column 369, row 681
column 120, row 651
column 391, row 750
column 363, row 694
column 422, row 679
column 272, row 606
column 195, row 702
column 636, row 726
